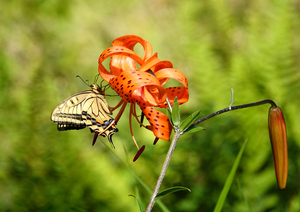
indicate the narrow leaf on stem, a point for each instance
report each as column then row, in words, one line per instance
column 169, row 113
column 171, row 190
column 140, row 204
column 231, row 99
column 175, row 113
column 189, row 120
column 194, row 129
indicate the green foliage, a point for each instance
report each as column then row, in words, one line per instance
column 189, row 120
column 229, row 180
column 175, row 113
column 140, row 204
column 171, row 190
column 193, row 129
column 251, row 46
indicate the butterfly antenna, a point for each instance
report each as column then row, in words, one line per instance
column 107, row 86
column 85, row 82
column 96, row 78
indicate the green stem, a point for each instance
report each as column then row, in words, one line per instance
column 177, row 135
column 267, row 101
column 164, row 169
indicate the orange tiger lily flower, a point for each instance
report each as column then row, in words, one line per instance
column 143, row 86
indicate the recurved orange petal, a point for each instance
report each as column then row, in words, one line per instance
column 160, row 124
column 125, row 60
column 129, row 41
column 181, row 92
column 150, row 95
column 135, row 86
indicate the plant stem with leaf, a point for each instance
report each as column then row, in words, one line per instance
column 178, row 133
column 164, row 169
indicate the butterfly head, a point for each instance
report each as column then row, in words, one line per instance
column 97, row 89
column 94, row 87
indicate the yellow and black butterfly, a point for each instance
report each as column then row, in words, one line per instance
column 87, row 108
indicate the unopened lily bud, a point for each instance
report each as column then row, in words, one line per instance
column 278, row 137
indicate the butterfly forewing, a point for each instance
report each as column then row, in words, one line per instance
column 88, row 108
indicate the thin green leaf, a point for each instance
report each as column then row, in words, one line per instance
column 231, row 98
column 171, row 190
column 189, row 120
column 140, row 204
column 229, row 180
column 194, row 129
column 176, row 113
column 170, row 117
column 144, row 185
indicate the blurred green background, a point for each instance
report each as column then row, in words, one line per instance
column 252, row 46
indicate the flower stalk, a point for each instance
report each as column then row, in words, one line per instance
column 277, row 131
column 164, row 169
column 230, row 108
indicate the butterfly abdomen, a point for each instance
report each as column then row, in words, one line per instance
column 63, row 127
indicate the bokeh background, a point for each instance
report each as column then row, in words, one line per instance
column 251, row 46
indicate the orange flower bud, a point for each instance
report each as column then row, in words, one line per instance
column 277, row 131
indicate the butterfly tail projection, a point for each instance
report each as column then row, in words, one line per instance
column 106, row 133
column 95, row 138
